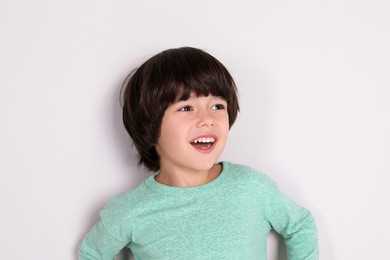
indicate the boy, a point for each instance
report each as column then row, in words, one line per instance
column 178, row 108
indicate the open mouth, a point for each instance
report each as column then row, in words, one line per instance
column 203, row 143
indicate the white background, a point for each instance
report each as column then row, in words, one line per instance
column 313, row 78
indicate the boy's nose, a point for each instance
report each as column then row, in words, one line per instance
column 205, row 119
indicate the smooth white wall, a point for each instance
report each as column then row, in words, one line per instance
column 314, row 86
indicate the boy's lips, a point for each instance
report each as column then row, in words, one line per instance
column 204, row 143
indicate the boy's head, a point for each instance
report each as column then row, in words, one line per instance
column 164, row 79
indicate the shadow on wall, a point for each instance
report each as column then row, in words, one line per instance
column 276, row 247
column 128, row 156
column 125, row 254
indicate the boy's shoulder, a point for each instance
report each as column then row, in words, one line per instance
column 127, row 202
column 248, row 180
column 247, row 173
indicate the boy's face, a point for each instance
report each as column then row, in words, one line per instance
column 193, row 134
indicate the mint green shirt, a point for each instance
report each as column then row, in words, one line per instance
column 228, row 218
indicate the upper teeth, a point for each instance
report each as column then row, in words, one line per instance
column 204, row 140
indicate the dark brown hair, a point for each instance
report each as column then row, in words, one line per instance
column 164, row 79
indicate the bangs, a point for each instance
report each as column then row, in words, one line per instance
column 189, row 71
column 200, row 90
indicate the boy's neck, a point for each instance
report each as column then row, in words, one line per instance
column 188, row 179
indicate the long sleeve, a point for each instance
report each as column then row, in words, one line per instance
column 110, row 234
column 294, row 223
column 99, row 244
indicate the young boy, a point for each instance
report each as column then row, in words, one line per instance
column 178, row 108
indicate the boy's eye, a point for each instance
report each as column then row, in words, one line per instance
column 186, row 108
column 218, row 107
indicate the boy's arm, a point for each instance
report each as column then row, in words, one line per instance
column 99, row 244
column 111, row 234
column 294, row 223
